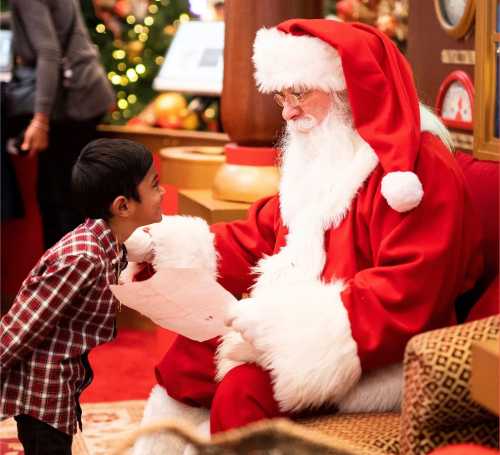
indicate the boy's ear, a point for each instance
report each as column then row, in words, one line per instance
column 121, row 207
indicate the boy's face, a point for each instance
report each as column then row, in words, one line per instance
column 151, row 193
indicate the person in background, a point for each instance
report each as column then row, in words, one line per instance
column 11, row 203
column 71, row 95
column 65, row 307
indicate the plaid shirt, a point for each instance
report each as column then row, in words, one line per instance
column 63, row 309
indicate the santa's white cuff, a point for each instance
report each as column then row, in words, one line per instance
column 139, row 246
column 233, row 351
column 183, row 241
column 305, row 341
column 310, row 352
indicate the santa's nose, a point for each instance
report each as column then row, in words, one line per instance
column 290, row 112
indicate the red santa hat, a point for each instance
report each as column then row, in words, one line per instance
column 331, row 56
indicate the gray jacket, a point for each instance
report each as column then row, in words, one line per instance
column 42, row 29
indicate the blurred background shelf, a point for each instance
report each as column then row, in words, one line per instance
column 157, row 138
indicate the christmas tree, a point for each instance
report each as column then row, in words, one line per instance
column 132, row 37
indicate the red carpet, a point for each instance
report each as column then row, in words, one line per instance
column 21, row 238
column 124, row 368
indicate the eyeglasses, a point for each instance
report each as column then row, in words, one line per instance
column 293, row 98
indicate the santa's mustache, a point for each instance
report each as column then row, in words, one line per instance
column 304, row 124
column 331, row 135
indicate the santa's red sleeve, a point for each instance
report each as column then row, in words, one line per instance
column 241, row 244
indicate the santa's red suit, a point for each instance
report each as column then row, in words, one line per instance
column 338, row 282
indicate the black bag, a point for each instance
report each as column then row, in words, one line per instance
column 21, row 89
column 20, row 92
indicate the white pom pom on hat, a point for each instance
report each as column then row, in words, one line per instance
column 402, row 190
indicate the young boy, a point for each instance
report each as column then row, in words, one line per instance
column 65, row 307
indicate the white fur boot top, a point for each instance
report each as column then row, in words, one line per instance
column 161, row 406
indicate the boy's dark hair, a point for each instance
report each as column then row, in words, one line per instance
column 106, row 169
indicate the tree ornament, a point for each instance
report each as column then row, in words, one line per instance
column 168, row 108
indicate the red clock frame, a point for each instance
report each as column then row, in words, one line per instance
column 464, row 79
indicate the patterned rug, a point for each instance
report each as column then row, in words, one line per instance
column 104, row 424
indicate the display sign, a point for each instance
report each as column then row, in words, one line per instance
column 194, row 60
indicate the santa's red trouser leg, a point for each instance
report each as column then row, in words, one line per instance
column 244, row 395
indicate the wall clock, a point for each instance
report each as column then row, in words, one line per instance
column 455, row 101
column 455, row 16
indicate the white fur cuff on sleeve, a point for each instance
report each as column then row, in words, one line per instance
column 183, row 241
column 307, row 345
column 233, row 351
column 139, row 246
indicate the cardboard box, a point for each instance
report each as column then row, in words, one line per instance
column 484, row 375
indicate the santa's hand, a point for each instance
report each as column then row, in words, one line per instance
column 245, row 317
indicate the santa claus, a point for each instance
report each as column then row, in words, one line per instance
column 369, row 242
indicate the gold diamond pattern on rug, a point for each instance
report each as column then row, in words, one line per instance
column 104, row 424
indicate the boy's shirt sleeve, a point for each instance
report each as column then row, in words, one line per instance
column 39, row 305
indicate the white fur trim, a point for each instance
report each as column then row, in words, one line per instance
column 233, row 351
column 203, row 430
column 378, row 391
column 283, row 60
column 305, row 341
column 183, row 241
column 160, row 406
column 139, row 246
column 308, row 346
column 402, row 190
column 290, row 333
column 304, row 254
column 430, row 122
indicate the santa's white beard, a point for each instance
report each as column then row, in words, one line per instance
column 312, row 162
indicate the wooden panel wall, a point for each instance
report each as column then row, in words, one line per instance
column 426, row 40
